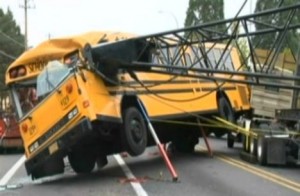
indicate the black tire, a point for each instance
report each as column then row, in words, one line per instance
column 134, row 133
column 253, row 146
column 219, row 133
column 262, row 150
column 185, row 143
column 230, row 140
column 246, row 144
column 101, row 162
column 82, row 162
column 226, row 112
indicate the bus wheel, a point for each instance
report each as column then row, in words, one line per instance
column 82, row 162
column 226, row 112
column 262, row 150
column 185, row 143
column 219, row 133
column 134, row 133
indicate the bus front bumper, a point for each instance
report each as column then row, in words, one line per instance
column 60, row 146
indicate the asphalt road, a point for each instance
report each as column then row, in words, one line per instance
column 198, row 174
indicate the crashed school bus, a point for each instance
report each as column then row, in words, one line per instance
column 87, row 91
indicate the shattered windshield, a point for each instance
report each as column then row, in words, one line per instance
column 50, row 77
column 27, row 94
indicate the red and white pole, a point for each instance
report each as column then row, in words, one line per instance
column 159, row 145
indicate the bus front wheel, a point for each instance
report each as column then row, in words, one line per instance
column 134, row 132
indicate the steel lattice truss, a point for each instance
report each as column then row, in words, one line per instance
column 199, row 41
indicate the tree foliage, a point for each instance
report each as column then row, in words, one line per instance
column 11, row 42
column 292, row 37
column 204, row 11
column 11, row 47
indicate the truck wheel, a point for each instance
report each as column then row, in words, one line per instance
column 246, row 146
column 253, row 146
column 226, row 112
column 262, row 151
column 134, row 133
column 82, row 162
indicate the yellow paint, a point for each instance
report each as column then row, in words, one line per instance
column 259, row 172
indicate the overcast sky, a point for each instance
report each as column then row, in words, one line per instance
column 57, row 18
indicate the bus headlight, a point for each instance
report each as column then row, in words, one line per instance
column 72, row 113
column 33, row 146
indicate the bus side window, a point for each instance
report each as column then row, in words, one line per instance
column 228, row 61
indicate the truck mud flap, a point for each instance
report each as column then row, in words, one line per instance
column 276, row 151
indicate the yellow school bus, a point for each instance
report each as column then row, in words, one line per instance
column 78, row 97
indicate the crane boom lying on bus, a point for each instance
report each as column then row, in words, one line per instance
column 86, row 105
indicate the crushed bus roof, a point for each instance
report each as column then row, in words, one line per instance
column 58, row 48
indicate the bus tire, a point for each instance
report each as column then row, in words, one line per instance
column 134, row 133
column 219, row 133
column 82, row 162
column 262, row 150
column 185, row 143
column 226, row 112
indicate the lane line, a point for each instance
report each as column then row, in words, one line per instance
column 12, row 171
column 263, row 175
column 140, row 191
column 257, row 171
column 261, row 171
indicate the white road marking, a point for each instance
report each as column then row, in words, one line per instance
column 12, row 171
column 136, row 186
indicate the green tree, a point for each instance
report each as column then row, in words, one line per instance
column 267, row 41
column 11, row 46
column 11, row 42
column 204, row 11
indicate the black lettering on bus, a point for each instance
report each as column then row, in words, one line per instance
column 37, row 66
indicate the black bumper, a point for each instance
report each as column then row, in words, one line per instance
column 63, row 143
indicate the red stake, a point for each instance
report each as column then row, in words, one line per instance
column 159, row 145
column 205, row 139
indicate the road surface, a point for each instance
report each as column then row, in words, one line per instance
column 224, row 174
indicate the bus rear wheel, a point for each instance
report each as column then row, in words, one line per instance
column 226, row 112
column 185, row 143
column 134, row 133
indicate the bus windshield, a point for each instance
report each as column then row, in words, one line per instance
column 29, row 93
column 50, row 77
